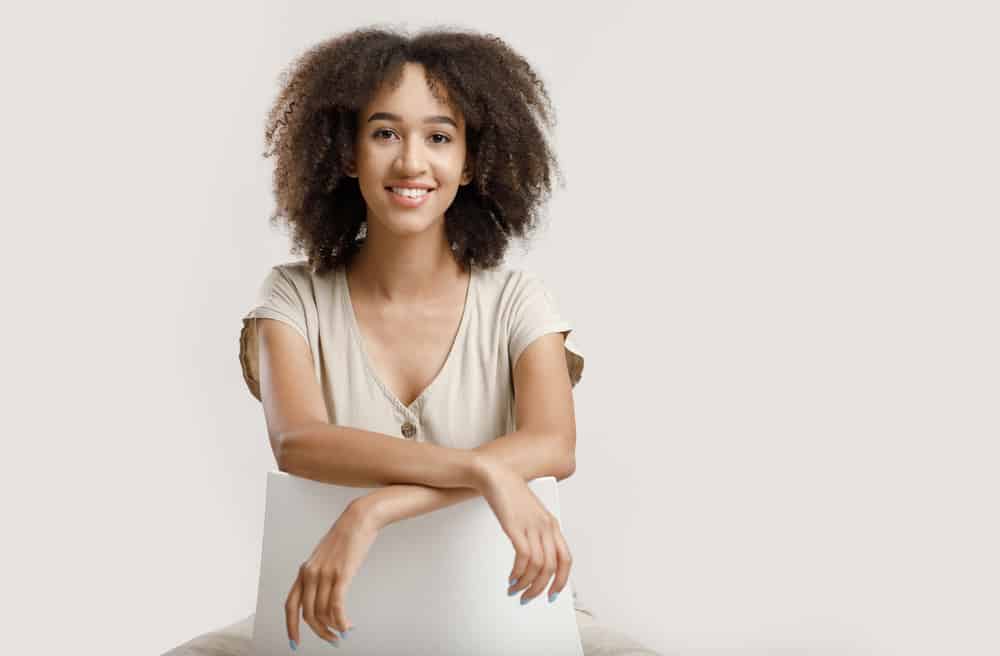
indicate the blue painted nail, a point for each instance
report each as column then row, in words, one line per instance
column 552, row 597
column 512, row 593
column 291, row 643
column 525, row 601
column 334, row 643
column 514, row 580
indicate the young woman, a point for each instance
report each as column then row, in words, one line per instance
column 392, row 356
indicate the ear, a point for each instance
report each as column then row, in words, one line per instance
column 466, row 175
column 350, row 170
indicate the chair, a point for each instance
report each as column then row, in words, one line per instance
column 285, row 492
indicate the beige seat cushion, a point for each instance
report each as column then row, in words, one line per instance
column 234, row 640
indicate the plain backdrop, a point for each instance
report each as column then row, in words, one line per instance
column 778, row 244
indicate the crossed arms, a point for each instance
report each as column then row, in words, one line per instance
column 412, row 478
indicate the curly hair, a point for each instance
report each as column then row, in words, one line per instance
column 312, row 127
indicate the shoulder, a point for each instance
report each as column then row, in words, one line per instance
column 506, row 283
column 296, row 271
column 520, row 299
column 528, row 310
column 300, row 276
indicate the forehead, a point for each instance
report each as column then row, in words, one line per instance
column 411, row 97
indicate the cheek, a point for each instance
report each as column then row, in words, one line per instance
column 371, row 172
column 451, row 169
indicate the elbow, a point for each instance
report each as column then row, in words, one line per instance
column 568, row 467
column 291, row 448
column 283, row 452
column 569, row 456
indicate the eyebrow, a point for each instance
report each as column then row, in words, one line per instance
column 396, row 117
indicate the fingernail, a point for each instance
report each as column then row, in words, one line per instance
column 525, row 601
column 291, row 643
column 343, row 634
column 334, row 643
column 552, row 597
column 512, row 593
column 514, row 580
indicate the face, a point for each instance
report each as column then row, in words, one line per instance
column 407, row 138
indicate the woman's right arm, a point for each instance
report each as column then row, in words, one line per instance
column 306, row 444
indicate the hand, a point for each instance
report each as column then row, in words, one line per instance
column 321, row 585
column 541, row 550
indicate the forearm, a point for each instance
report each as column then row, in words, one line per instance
column 394, row 503
column 530, row 455
column 358, row 458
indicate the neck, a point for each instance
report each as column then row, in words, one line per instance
column 417, row 268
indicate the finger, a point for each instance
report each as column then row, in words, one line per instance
column 563, row 567
column 522, row 552
column 535, row 563
column 292, row 605
column 337, row 605
column 324, row 586
column 328, row 617
column 310, row 588
column 548, row 568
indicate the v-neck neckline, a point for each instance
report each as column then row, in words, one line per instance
column 359, row 340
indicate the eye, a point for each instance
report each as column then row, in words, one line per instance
column 443, row 138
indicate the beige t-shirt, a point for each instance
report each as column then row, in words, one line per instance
column 468, row 403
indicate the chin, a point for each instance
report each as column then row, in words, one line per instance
column 402, row 224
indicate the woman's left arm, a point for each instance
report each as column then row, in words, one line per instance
column 543, row 445
column 531, row 456
column 319, row 590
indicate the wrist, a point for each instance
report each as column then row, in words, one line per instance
column 481, row 466
column 370, row 510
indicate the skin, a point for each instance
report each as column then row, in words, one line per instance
column 406, row 263
column 406, row 256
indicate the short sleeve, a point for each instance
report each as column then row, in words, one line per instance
column 277, row 298
column 534, row 312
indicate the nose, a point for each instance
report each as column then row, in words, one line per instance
column 411, row 161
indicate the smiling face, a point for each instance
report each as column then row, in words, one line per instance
column 407, row 138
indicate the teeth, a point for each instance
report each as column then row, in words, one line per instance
column 412, row 193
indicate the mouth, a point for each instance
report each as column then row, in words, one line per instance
column 409, row 197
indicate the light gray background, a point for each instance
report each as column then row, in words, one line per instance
column 778, row 244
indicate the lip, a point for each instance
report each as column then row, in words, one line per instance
column 409, row 202
column 411, row 185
